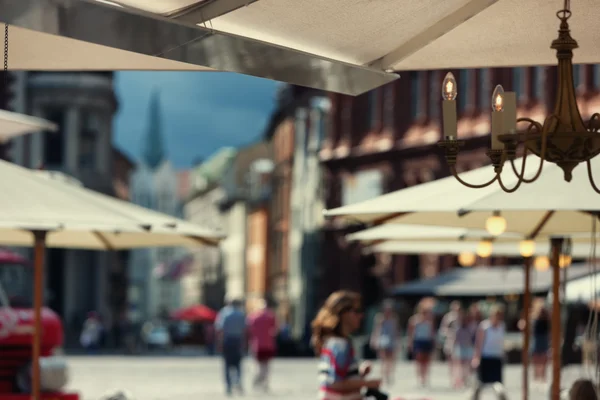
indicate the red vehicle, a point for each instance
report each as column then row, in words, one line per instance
column 16, row 336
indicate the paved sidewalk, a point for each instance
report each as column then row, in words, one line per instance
column 187, row 378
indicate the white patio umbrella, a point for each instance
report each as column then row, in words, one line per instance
column 432, row 246
column 177, row 35
column 548, row 207
column 14, row 124
column 36, row 210
column 334, row 45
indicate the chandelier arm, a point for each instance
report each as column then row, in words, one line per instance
column 540, row 128
column 594, row 123
column 520, row 176
column 469, row 185
column 591, row 176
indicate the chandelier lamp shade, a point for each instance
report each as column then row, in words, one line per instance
column 563, row 138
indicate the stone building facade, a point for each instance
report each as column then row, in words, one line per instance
column 385, row 140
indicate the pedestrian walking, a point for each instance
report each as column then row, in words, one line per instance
column 541, row 342
column 91, row 333
column 488, row 356
column 447, row 332
column 462, row 351
column 262, row 330
column 421, row 340
column 340, row 377
column 230, row 327
column 385, row 338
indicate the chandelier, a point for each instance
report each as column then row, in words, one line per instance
column 563, row 138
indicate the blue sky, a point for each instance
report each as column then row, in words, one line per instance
column 201, row 111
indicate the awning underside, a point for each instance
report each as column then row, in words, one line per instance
column 337, row 45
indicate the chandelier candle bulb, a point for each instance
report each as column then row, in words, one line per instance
column 510, row 112
column 497, row 117
column 449, row 92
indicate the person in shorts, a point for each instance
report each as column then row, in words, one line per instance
column 489, row 354
column 421, row 340
column 262, row 332
column 462, row 350
column 384, row 339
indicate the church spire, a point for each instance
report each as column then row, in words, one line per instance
column 153, row 147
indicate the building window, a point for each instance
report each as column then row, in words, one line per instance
column 537, row 83
column 54, row 141
column 434, row 95
column 415, row 89
column 374, row 108
column 464, row 78
column 485, row 93
column 596, row 76
column 89, row 141
column 519, row 83
column 577, row 76
column 389, row 95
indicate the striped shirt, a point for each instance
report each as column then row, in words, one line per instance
column 337, row 363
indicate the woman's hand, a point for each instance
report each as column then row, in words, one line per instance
column 365, row 368
column 475, row 362
column 373, row 383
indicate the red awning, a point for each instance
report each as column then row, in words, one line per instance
column 196, row 313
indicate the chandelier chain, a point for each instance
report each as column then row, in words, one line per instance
column 6, row 52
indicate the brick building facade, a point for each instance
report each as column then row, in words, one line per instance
column 385, row 140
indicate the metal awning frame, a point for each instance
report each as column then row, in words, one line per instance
column 178, row 40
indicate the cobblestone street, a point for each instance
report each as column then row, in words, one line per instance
column 187, row 378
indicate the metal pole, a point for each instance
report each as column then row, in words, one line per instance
column 556, row 246
column 527, row 327
column 38, row 303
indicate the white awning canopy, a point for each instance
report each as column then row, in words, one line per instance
column 550, row 203
column 506, row 249
column 336, row 45
column 76, row 217
column 13, row 124
column 93, row 35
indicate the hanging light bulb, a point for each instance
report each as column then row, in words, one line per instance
column 484, row 248
column 496, row 224
column 541, row 263
column 466, row 259
column 449, row 91
column 564, row 261
column 498, row 98
column 526, row 248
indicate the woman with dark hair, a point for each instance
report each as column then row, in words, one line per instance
column 421, row 340
column 339, row 375
column 583, row 389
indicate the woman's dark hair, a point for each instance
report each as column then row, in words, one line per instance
column 583, row 389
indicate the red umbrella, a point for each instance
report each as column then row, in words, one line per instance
column 197, row 313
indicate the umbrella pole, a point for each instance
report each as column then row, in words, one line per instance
column 555, row 324
column 38, row 302
column 527, row 327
